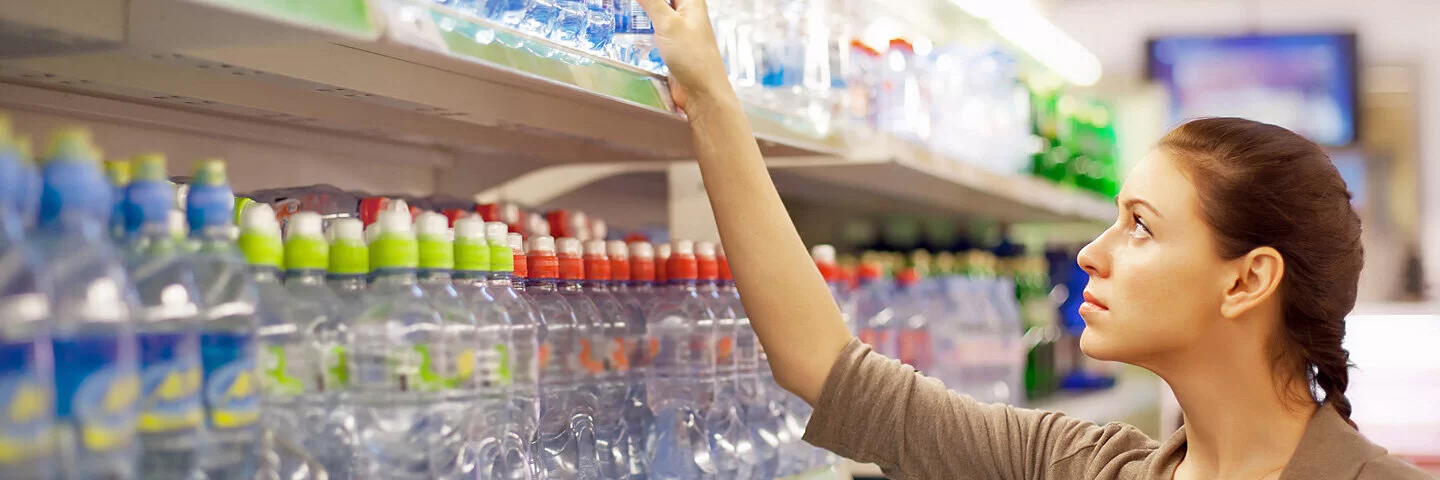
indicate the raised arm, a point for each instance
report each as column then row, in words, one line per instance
column 797, row 321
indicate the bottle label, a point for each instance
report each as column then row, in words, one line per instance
column 231, row 394
column 591, row 357
column 431, row 369
column 170, row 380
column 27, row 423
column 620, row 355
column 281, row 371
column 725, row 350
column 466, row 362
column 97, row 390
column 502, row 365
column 632, row 19
column 335, row 368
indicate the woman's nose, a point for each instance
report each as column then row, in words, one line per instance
column 1095, row 258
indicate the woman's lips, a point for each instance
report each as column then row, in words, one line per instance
column 1092, row 305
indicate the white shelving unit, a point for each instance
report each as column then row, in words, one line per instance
column 442, row 90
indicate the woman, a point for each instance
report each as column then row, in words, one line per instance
column 1228, row 273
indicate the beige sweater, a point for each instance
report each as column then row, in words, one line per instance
column 877, row 410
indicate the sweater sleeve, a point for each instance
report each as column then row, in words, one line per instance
column 876, row 410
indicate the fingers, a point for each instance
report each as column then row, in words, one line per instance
column 686, row 5
column 659, row 11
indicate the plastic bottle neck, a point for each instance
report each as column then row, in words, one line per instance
column 265, row 273
column 394, row 276
column 541, row 285
column 305, row 277
column 435, row 276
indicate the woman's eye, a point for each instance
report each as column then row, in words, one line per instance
column 1139, row 230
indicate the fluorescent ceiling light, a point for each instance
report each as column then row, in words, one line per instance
column 1023, row 26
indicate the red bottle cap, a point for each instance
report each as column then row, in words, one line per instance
column 488, row 211
column 597, row 265
column 370, row 208
column 619, row 257
column 907, row 277
column 723, row 266
column 559, row 221
column 682, row 264
column 829, row 271
column 568, row 254
column 454, row 214
column 869, row 271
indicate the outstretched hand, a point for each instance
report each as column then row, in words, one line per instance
column 687, row 44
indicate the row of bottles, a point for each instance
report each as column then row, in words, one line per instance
column 158, row 332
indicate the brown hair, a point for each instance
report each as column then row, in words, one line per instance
column 1262, row 185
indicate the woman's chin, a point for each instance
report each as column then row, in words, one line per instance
column 1095, row 345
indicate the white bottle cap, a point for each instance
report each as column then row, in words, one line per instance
column 580, row 225
column 542, row 244
column 470, row 228
column 642, row 250
column 516, row 242
column 497, row 232
column 305, row 224
column 395, row 222
column 595, row 248
column 346, row 229
column 823, row 254
column 568, row 246
column 509, row 213
column 617, row 249
column 682, row 247
column 431, row 224
column 705, row 249
column 598, row 229
column 399, row 205
column 719, row 251
column 372, row 232
column 260, row 218
column 537, row 225
column 662, row 250
column 175, row 223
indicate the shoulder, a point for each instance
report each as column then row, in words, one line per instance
column 1387, row 467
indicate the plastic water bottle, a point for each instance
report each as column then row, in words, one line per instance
column 228, row 326
column 873, row 310
column 492, row 363
column 729, row 438
column 610, row 348
column 520, row 360
column 172, row 418
column 566, row 441
column 27, row 368
column 571, row 19
column 634, row 38
column 463, row 429
column 599, row 28
column 540, row 17
column 506, row 12
column 97, row 384
column 397, row 380
column 316, row 373
column 589, row 332
column 679, row 376
column 824, row 256
column 752, row 380
column 349, row 265
column 639, row 294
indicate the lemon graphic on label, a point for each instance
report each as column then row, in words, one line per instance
column 123, row 394
column 28, row 404
column 242, row 386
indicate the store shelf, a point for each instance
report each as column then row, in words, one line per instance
column 412, row 73
column 898, row 173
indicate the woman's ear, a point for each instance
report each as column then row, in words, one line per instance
column 1258, row 276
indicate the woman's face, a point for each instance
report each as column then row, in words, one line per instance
column 1155, row 276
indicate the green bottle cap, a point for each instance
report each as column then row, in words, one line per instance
column 394, row 245
column 437, row 251
column 73, row 143
column 209, row 172
column 149, row 167
column 502, row 258
column 240, row 204
column 260, row 237
column 118, row 171
column 348, row 253
column 305, row 246
column 472, row 252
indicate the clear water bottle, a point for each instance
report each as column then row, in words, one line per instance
column 634, row 38
column 589, row 331
column 97, row 384
column 873, row 310
column 492, row 363
column 349, row 265
column 609, row 348
column 397, row 387
column 680, row 377
column 729, row 438
column 462, row 415
column 599, row 25
column 172, row 418
column 228, row 326
column 566, row 441
column 25, row 344
column 506, row 12
column 317, row 372
column 571, row 23
column 752, row 380
column 520, row 362
column 639, row 294
column 540, row 17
